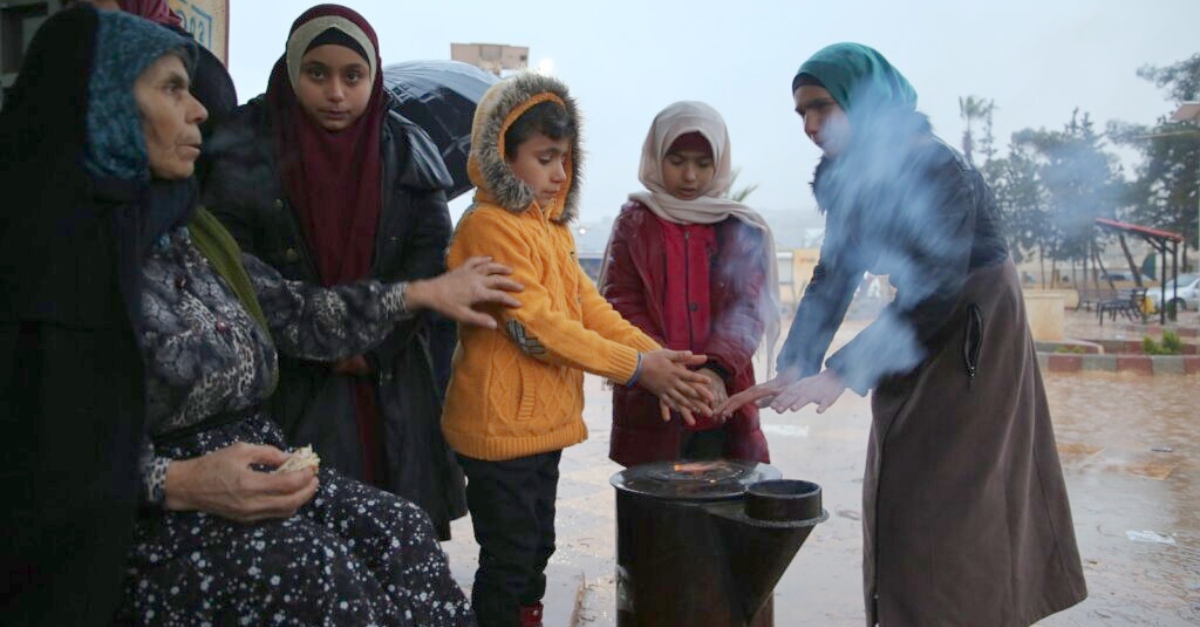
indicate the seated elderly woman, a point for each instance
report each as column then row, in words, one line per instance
column 125, row 310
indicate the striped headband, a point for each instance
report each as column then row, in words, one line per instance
column 304, row 35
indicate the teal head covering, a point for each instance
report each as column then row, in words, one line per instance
column 859, row 78
column 125, row 46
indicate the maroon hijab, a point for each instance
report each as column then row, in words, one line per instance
column 156, row 11
column 332, row 180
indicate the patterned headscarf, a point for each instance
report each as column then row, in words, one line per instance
column 116, row 148
column 859, row 78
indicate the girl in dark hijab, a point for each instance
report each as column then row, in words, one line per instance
column 321, row 179
column 332, row 177
column 186, row 353
column 965, row 512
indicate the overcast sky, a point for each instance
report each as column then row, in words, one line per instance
column 626, row 60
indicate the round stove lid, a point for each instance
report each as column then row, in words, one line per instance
column 693, row 480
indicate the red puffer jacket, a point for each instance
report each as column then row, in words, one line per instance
column 635, row 283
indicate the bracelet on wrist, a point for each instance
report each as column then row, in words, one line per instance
column 637, row 372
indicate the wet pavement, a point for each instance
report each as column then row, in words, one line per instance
column 1129, row 451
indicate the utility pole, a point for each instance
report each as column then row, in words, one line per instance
column 1190, row 111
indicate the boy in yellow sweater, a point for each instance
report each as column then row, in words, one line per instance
column 516, row 393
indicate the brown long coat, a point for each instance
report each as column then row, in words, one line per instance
column 966, row 519
column 965, row 515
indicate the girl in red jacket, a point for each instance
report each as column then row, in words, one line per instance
column 695, row 271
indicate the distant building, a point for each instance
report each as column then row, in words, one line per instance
column 494, row 58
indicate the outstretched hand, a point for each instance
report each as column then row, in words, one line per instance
column 455, row 294
column 788, row 392
column 667, row 375
column 224, row 483
column 761, row 395
column 823, row 390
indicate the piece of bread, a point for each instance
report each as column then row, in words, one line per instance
column 302, row 458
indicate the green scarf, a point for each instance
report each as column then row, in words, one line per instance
column 860, row 79
column 223, row 252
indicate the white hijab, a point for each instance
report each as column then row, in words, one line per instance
column 713, row 205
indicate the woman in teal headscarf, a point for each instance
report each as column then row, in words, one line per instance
column 965, row 512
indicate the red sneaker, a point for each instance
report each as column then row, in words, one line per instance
column 531, row 615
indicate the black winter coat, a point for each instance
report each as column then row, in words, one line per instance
column 312, row 403
column 72, row 410
column 72, row 398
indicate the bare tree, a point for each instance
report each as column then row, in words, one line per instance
column 971, row 109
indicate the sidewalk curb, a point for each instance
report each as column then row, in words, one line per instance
column 1157, row 329
column 1148, row 365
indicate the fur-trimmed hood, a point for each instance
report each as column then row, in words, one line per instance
column 503, row 103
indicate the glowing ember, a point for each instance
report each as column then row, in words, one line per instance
column 694, row 467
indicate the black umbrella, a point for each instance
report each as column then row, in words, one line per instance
column 440, row 97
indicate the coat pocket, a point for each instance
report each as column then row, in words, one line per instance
column 973, row 340
column 527, row 390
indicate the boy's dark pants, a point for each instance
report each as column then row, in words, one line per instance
column 512, row 510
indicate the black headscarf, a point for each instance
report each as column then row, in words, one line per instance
column 79, row 213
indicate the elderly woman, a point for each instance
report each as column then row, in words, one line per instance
column 128, row 311
column 965, row 512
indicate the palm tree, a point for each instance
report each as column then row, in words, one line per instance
column 740, row 195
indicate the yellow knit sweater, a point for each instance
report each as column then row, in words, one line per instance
column 518, row 390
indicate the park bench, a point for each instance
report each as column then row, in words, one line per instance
column 1127, row 302
column 1089, row 296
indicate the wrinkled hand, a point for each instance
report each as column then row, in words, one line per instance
column 762, row 394
column 455, row 294
column 666, row 374
column 823, row 389
column 223, row 483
